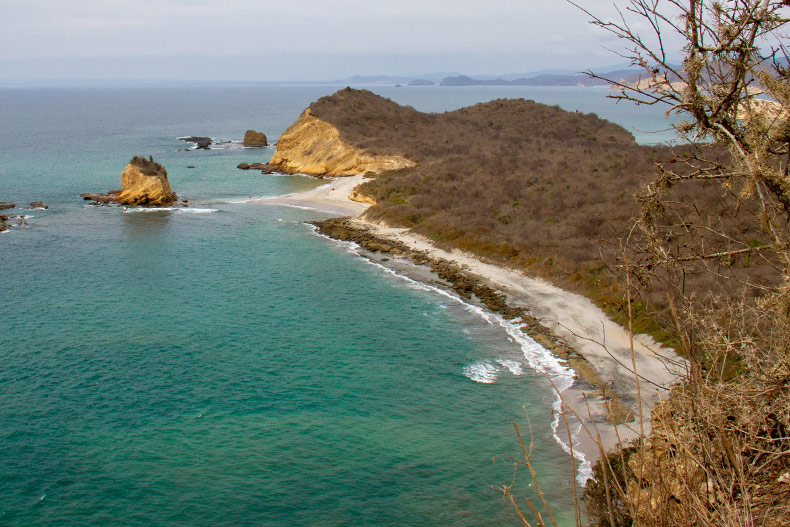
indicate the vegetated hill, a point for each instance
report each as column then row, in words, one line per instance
column 529, row 185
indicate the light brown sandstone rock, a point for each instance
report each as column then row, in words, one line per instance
column 144, row 182
column 312, row 146
column 361, row 197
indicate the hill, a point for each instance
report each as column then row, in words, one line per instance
column 527, row 185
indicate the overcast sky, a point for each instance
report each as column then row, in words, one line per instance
column 294, row 39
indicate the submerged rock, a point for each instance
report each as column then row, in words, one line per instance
column 253, row 138
column 143, row 182
column 38, row 205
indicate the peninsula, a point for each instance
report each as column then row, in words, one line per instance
column 505, row 201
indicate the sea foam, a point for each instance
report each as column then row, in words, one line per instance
column 184, row 210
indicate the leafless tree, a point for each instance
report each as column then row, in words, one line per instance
column 718, row 213
column 707, row 461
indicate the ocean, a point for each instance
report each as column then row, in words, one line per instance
column 225, row 365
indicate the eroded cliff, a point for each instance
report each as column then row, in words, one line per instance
column 313, row 146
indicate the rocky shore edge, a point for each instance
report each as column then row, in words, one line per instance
column 474, row 289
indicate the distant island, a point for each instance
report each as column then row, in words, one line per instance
column 628, row 76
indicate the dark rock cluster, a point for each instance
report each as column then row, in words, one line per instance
column 265, row 168
column 5, row 219
column 203, row 143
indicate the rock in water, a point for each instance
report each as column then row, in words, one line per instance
column 5, row 205
column 253, row 138
column 144, row 182
column 203, row 143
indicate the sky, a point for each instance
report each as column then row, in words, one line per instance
column 263, row 40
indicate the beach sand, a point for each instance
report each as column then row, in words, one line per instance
column 332, row 197
column 583, row 326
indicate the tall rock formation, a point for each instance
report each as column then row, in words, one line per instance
column 253, row 138
column 143, row 182
column 312, row 146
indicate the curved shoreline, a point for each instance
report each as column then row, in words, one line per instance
column 567, row 324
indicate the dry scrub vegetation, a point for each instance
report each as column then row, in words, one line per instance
column 532, row 187
column 148, row 167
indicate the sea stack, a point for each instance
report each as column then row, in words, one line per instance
column 143, row 183
column 253, row 138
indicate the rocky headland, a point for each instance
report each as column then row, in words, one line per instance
column 143, row 183
column 313, row 146
column 531, row 199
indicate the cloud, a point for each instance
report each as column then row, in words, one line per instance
column 81, row 29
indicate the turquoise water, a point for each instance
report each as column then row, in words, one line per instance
column 224, row 365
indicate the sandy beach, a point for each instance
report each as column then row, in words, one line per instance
column 331, row 197
column 605, row 345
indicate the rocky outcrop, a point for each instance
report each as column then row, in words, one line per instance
column 143, row 182
column 265, row 168
column 313, row 146
column 98, row 198
column 6, row 205
column 202, row 143
column 253, row 138
column 37, row 205
column 361, row 197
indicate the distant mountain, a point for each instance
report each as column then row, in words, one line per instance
column 408, row 78
column 374, row 79
column 545, row 79
column 463, row 80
